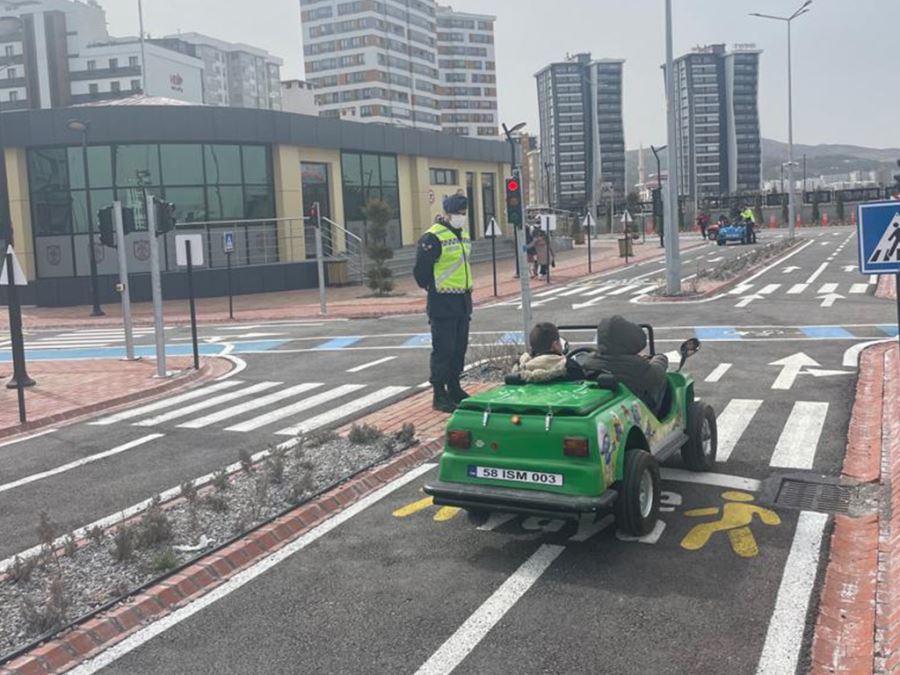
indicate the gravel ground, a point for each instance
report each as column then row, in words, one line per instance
column 63, row 587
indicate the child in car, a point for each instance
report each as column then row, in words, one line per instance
column 546, row 361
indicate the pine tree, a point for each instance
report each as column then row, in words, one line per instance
column 380, row 277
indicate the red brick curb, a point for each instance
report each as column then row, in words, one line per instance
column 111, row 627
column 209, row 369
column 887, row 287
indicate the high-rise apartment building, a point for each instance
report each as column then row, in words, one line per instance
column 582, row 132
column 468, row 88
column 717, row 121
column 373, row 60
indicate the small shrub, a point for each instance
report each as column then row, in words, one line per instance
column 52, row 615
column 70, row 546
column 220, row 481
column 189, row 491
column 46, row 530
column 154, row 528
column 320, row 438
column 261, row 496
column 246, row 461
column 364, row 434
column 274, row 466
column 123, row 543
column 241, row 522
column 22, row 569
column 215, row 503
column 96, row 534
column 406, row 437
column 166, row 560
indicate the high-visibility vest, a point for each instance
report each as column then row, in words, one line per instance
column 747, row 214
column 452, row 273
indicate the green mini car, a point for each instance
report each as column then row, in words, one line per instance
column 566, row 449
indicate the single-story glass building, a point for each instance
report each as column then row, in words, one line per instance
column 254, row 173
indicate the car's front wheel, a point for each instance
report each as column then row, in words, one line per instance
column 637, row 507
column 699, row 453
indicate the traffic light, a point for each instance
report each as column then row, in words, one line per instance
column 128, row 220
column 165, row 216
column 107, row 229
column 514, row 202
column 657, row 203
column 897, row 180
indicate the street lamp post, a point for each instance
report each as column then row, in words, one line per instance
column 547, row 166
column 673, row 252
column 521, row 264
column 83, row 128
column 792, row 208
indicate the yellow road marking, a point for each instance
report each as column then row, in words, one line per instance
column 737, row 515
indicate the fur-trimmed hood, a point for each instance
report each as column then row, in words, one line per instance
column 543, row 368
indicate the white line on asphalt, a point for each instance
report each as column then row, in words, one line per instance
column 851, row 356
column 873, row 279
column 815, row 275
column 78, row 463
column 732, row 423
column 27, row 438
column 245, row 576
column 239, row 366
column 588, row 303
column 796, row 448
column 740, row 289
column 459, row 645
column 599, row 290
column 572, row 291
column 371, row 364
column 771, row 288
column 624, row 289
column 715, row 479
column 796, row 289
column 859, row 288
column 785, row 634
column 242, row 408
column 718, row 372
column 776, row 263
column 542, row 294
column 208, row 403
column 344, row 411
column 827, row 288
column 165, row 403
column 294, row 408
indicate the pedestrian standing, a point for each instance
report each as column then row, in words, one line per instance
column 703, row 223
column 543, row 251
column 442, row 269
column 529, row 249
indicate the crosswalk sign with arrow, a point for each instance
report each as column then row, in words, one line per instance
column 878, row 229
column 18, row 274
column 589, row 223
column 493, row 229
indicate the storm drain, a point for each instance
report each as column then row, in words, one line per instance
column 809, row 493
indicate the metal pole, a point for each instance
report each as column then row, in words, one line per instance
column 673, row 255
column 897, row 287
column 123, row 281
column 515, row 172
column 156, row 289
column 589, row 221
column 230, row 293
column 549, row 255
column 190, row 280
column 92, row 254
column 792, row 205
column 494, row 259
column 143, row 50
column 320, row 262
column 20, row 375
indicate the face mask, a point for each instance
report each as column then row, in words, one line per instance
column 457, row 220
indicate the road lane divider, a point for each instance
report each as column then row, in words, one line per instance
column 164, row 403
column 371, row 364
column 815, row 275
column 718, row 372
column 732, row 422
column 799, row 440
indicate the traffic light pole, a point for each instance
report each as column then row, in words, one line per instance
column 123, row 281
column 522, row 265
column 673, row 252
column 320, row 261
column 156, row 289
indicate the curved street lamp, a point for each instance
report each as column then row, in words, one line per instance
column 83, row 128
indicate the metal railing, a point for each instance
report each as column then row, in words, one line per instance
column 353, row 250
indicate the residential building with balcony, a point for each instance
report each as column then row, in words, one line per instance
column 298, row 96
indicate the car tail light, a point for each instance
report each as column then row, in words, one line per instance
column 576, row 446
column 461, row 440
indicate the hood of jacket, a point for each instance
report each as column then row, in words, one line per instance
column 617, row 336
column 543, row 368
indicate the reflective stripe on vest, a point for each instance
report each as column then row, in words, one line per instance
column 452, row 273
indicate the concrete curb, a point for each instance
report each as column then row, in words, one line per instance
column 103, row 631
column 886, row 288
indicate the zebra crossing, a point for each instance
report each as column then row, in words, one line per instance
column 587, row 294
column 237, row 406
column 85, row 339
column 826, row 292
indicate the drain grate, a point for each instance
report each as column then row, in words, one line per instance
column 809, row 493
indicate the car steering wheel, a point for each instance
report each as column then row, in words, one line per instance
column 577, row 352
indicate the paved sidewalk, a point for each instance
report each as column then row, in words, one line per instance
column 69, row 389
column 350, row 301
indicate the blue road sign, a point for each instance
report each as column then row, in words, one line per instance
column 878, row 231
column 228, row 242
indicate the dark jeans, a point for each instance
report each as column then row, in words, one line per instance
column 449, row 342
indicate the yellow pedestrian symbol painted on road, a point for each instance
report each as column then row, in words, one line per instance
column 737, row 515
column 444, row 513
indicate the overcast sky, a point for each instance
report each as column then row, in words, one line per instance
column 845, row 54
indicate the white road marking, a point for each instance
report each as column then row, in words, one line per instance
column 743, row 302
column 740, row 289
column 873, row 279
column 771, row 288
column 796, row 289
column 589, row 303
column 239, row 366
column 718, row 372
column 815, row 275
column 255, row 404
column 714, row 479
column 294, row 408
column 851, row 356
column 28, row 438
column 598, row 290
column 827, row 288
column 624, row 289
column 208, row 403
column 344, row 411
column 543, row 294
column 859, row 288
column 459, row 645
column 78, row 463
column 785, row 634
column 828, row 300
column 572, row 291
column 371, row 364
column 243, row 577
column 796, row 448
column 165, row 403
column 732, row 423
column 791, row 367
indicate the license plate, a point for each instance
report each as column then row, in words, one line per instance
column 516, row 475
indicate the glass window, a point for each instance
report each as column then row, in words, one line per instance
column 136, row 165
column 49, row 182
column 99, row 166
column 371, row 175
column 350, row 168
column 388, row 170
column 223, row 164
column 94, row 88
column 225, row 202
column 259, row 202
column 92, row 65
column 256, row 164
column 115, row 86
column 182, row 164
column 100, row 199
column 190, row 206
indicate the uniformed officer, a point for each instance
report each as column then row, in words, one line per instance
column 442, row 268
column 750, row 222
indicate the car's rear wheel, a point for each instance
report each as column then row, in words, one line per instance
column 637, row 507
column 699, row 453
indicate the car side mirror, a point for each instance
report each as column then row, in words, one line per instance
column 565, row 345
column 688, row 349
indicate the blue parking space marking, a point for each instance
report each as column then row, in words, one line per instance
column 890, row 331
column 716, row 333
column 422, row 340
column 339, row 343
column 511, row 338
column 145, row 351
column 255, row 346
column 825, row 332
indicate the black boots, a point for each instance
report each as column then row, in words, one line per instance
column 442, row 401
column 457, row 393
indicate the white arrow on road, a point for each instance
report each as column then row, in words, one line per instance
column 746, row 300
column 791, row 368
column 590, row 303
column 849, row 268
column 790, row 268
column 826, row 373
column 828, row 300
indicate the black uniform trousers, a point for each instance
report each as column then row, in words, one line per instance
column 449, row 342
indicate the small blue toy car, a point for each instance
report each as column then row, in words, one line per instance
column 736, row 232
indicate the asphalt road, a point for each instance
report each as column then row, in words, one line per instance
column 381, row 593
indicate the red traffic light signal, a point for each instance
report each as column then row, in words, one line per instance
column 512, row 185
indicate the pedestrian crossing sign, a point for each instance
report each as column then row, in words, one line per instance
column 878, row 230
